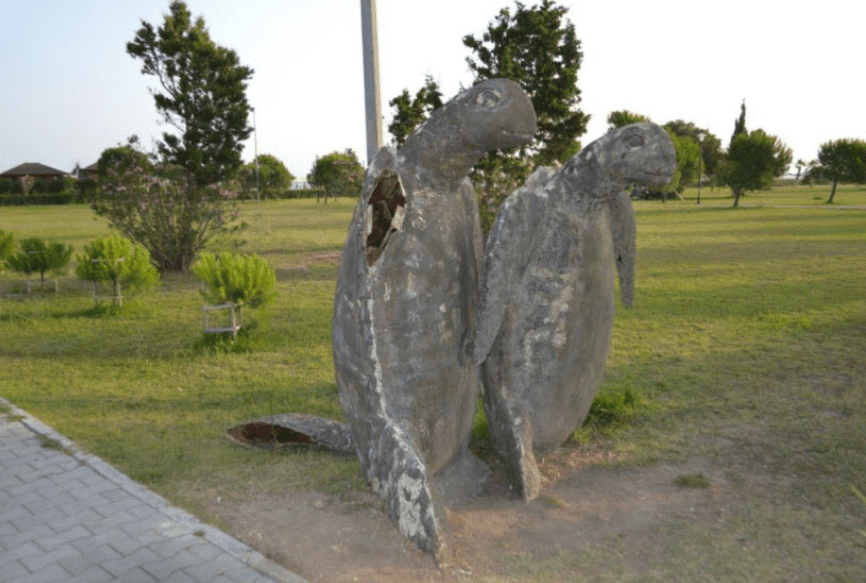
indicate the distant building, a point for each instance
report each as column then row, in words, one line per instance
column 34, row 169
column 91, row 171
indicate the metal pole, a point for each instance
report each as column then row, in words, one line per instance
column 370, row 41
column 256, row 146
column 700, row 159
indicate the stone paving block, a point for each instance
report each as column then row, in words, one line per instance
column 74, row 515
column 113, row 495
column 50, row 574
column 142, row 525
column 36, row 563
column 103, row 537
column 28, row 549
column 184, row 560
column 13, row 571
column 8, row 479
column 133, row 543
column 27, row 535
column 86, row 475
column 136, row 575
column 219, row 566
column 121, row 506
column 119, row 567
column 49, row 543
column 173, row 545
column 94, row 574
column 206, row 552
column 8, row 529
column 87, row 560
column 14, row 513
column 179, row 577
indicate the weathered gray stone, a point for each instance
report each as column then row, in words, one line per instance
column 405, row 305
column 547, row 299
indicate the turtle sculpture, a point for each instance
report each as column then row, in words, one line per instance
column 407, row 291
column 547, row 297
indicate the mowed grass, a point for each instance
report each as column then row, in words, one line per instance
column 749, row 328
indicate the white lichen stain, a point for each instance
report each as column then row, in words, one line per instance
column 409, row 511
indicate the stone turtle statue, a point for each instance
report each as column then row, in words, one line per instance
column 547, row 298
column 407, row 291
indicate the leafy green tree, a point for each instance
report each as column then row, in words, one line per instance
column 38, row 256
column 754, row 160
column 740, row 123
column 235, row 279
column 117, row 261
column 203, row 98
column 800, row 164
column 339, row 173
column 623, row 117
column 842, row 160
column 154, row 206
column 537, row 47
column 274, row 178
column 412, row 112
column 711, row 147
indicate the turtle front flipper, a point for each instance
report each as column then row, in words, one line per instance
column 515, row 442
column 397, row 472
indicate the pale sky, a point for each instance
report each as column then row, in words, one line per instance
column 68, row 90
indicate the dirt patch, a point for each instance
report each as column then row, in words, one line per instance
column 584, row 505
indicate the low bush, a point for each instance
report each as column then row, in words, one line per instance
column 117, row 261
column 236, row 279
column 38, row 256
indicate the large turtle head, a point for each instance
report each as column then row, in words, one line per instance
column 494, row 114
column 641, row 152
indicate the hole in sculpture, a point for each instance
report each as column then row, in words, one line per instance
column 385, row 212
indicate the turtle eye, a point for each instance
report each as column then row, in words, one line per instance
column 488, row 98
column 634, row 140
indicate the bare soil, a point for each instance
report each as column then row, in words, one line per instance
column 587, row 503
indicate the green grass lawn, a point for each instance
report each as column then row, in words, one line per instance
column 748, row 322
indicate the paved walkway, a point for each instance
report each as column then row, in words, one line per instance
column 68, row 516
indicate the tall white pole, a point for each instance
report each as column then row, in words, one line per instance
column 256, row 145
column 369, row 39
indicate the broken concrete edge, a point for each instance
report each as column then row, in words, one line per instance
column 213, row 535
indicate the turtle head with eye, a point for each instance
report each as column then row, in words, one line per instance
column 495, row 114
column 641, row 152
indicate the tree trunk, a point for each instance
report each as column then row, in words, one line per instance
column 832, row 193
column 737, row 194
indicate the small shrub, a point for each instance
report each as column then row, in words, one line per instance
column 7, row 246
column 610, row 409
column 236, row 279
column 692, row 481
column 37, row 255
column 116, row 260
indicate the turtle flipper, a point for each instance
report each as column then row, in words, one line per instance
column 397, row 472
column 623, row 227
column 293, row 429
column 516, row 445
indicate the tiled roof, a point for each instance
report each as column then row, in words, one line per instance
column 33, row 169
